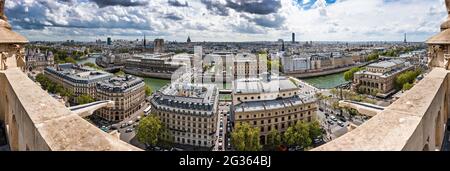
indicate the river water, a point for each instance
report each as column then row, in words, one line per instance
column 321, row 82
column 154, row 83
column 327, row 81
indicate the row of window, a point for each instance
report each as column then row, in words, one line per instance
column 240, row 116
column 279, row 126
column 185, row 118
column 265, row 97
column 194, row 142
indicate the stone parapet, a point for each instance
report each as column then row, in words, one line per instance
column 415, row 122
column 37, row 122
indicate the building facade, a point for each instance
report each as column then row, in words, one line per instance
column 247, row 65
column 128, row 94
column 316, row 62
column 148, row 64
column 270, row 104
column 37, row 60
column 158, row 46
column 379, row 78
column 189, row 111
column 78, row 79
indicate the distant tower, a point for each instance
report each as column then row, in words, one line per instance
column 404, row 41
column 145, row 42
column 189, row 39
column 158, row 46
column 282, row 45
column 293, row 37
column 109, row 41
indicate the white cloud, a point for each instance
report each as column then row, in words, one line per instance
column 356, row 20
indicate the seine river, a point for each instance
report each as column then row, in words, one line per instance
column 154, row 83
column 321, row 82
column 327, row 81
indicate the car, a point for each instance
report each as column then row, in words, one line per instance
column 129, row 130
column 220, row 139
column 123, row 125
column 130, row 123
column 176, row 149
column 330, row 122
column 138, row 118
column 333, row 118
column 340, row 123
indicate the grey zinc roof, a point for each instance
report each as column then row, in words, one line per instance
column 272, row 104
column 257, row 85
column 387, row 64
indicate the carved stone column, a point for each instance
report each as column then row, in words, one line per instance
column 439, row 45
column 11, row 43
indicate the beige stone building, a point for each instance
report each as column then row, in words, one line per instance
column 274, row 104
column 128, row 94
column 379, row 78
column 37, row 60
column 189, row 111
column 158, row 46
column 248, row 65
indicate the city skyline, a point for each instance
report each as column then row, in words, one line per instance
column 227, row 20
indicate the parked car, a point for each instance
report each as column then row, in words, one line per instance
column 330, row 122
column 340, row 123
column 129, row 130
column 333, row 118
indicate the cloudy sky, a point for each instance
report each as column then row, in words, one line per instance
column 227, row 20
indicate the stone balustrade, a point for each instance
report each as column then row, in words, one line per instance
column 36, row 121
column 415, row 122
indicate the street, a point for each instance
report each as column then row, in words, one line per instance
column 223, row 127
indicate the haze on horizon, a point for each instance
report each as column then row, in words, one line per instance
column 227, row 20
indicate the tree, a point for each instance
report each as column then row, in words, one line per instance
column 92, row 65
column 406, row 77
column 315, row 130
column 120, row 73
column 70, row 60
column 352, row 112
column 148, row 90
column 274, row 139
column 150, row 130
column 52, row 87
column 246, row 138
column 407, row 86
column 85, row 99
column 349, row 75
column 373, row 56
column 298, row 135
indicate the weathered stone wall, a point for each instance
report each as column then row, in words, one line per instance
column 35, row 121
column 414, row 122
